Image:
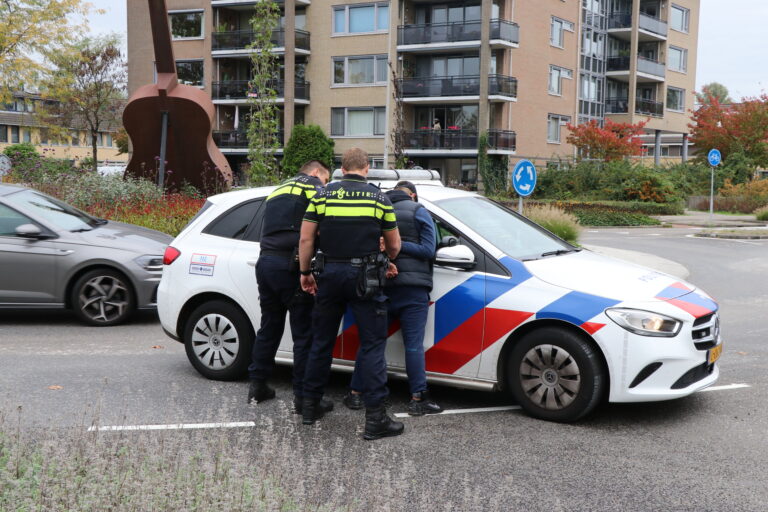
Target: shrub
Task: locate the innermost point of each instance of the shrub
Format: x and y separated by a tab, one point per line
307	142
762	213
555	220
743	197
675	208
607	217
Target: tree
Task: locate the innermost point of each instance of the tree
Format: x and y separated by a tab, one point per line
492	168
613	141
121	141
308	142
736	128
715	90
264	122
30	29
398	122
85	89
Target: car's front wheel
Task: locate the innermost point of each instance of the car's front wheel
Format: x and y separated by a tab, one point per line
556	375
218	338
103	297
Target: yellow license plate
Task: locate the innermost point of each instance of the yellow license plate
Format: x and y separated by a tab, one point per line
715	353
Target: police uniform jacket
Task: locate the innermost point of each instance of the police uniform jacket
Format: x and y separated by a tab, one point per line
285	208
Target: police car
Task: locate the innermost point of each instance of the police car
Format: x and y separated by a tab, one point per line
513	308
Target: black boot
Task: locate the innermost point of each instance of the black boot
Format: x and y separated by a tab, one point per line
422	403
260	391
324	405
311	410
353	401
378	424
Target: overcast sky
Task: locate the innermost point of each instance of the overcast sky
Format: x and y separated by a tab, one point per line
731	41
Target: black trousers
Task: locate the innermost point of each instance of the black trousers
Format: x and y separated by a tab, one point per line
280	294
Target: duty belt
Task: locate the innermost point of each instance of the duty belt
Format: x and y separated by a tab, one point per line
357	261
282	254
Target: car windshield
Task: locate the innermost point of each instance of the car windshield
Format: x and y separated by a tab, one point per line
58	214
505	230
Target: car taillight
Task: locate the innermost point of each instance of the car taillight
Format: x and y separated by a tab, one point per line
170	255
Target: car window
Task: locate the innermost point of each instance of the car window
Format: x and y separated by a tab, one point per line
484	262
234	222
10	219
58	214
254	231
509	232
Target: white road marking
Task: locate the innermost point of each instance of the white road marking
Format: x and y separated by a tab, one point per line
748	242
466	411
176	426
726	387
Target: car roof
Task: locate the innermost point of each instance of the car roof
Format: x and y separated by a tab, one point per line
9	188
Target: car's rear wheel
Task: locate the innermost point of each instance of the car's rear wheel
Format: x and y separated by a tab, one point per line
218	338
103	297
554	374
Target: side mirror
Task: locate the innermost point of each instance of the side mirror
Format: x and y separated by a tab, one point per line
458	256
29	231
449	241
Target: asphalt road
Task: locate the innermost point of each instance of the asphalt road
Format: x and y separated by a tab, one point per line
704	452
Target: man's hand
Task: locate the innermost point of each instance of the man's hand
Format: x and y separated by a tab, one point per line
391	271
308	284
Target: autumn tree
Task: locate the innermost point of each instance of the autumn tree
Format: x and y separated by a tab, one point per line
84	89
30	31
612	141
736	128
714	90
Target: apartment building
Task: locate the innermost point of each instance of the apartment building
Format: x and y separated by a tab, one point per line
441	73
18	125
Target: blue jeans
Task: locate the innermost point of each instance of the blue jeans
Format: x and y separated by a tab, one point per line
409	304
280	293
337	289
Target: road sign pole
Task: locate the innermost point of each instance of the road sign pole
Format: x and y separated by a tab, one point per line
712	195
520	205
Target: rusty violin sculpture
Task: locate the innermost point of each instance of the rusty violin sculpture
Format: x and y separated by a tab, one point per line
170	124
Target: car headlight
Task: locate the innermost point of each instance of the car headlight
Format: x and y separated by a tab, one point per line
645	323
150	262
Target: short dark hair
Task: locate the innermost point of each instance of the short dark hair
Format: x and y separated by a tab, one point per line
407	185
354	159
311	166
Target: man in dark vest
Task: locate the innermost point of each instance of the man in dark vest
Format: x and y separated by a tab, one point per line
277	274
408	294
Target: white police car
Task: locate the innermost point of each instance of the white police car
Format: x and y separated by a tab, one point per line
513	308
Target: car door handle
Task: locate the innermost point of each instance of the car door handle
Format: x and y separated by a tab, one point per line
252	261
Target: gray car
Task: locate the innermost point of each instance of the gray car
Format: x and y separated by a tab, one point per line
52	255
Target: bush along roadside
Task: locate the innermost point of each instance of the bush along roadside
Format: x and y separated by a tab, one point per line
592	214
554	220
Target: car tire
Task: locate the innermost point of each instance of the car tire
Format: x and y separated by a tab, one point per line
218	338
556	375
103	297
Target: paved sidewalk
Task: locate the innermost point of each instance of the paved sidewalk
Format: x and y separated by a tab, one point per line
702	219
642	258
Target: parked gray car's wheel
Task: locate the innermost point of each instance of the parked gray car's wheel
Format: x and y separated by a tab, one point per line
554	374
103	297
218	338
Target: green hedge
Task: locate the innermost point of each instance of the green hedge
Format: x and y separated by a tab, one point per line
606	217
674	208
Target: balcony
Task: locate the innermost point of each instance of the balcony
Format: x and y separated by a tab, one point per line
649	107
456	141
503	33
651	67
237	41
456	89
648	70
236	141
650	28
237	91
617	106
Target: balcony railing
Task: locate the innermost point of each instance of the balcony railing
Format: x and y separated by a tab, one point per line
647	23
457	139
651	67
238	89
617	106
428	87
617	64
240	39
237	139
649	107
456	32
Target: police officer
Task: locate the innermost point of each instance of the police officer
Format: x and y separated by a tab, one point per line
408	294
351	216
277	275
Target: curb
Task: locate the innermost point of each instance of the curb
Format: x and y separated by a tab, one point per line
732	237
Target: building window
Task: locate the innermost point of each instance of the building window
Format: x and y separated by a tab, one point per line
109	140
678	59
3	133
28	135
43	134
370	69
361	18
554	123
557	35
186	25
676	99
75	138
376	163
190	72
556	75
14	134
591	88
358	121
680	18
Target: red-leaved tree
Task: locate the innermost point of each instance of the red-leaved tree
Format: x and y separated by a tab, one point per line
732	128
612	141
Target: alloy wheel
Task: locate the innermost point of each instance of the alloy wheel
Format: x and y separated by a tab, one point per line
104	299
